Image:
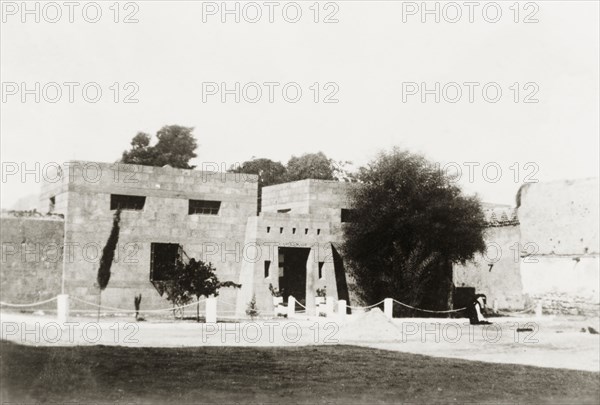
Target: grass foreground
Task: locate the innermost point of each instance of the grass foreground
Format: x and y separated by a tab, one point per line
313	374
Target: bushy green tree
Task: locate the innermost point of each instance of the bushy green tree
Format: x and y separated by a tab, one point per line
307	166
269	172
175	146
197	279
310	166
176	290
410	224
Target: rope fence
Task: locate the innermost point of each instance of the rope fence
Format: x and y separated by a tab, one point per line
109	309
298	302
176	308
367	307
449	311
33	304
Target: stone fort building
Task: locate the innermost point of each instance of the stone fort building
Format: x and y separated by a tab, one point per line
292	244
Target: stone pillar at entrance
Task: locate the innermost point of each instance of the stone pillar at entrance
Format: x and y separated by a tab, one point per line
311	282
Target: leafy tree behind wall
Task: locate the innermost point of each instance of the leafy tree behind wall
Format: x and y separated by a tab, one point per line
268	171
307	166
410	224
310	166
175	146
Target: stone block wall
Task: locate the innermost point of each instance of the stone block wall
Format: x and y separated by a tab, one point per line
31	265
566	285
552	256
294	196
271	231
329	197
560	222
496	273
164	219
561	217
321	197
566	304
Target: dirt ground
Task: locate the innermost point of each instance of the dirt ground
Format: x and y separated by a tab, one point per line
335	374
555	342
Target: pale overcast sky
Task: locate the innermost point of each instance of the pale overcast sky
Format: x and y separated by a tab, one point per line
369	53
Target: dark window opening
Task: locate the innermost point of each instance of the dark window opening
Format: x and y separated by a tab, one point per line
267	268
347	215
204	207
318	231
321	269
52	204
280	230
127	202
306	231
268	229
163	261
293	230
284	210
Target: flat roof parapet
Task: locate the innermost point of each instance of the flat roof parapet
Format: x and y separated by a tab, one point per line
93	170
31	214
272	215
307	182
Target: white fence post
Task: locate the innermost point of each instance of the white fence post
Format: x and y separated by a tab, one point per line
342	309
211	310
277	301
538	310
62	308
291	308
388	308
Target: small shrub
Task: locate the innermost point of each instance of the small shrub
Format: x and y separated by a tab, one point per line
252	310
275	292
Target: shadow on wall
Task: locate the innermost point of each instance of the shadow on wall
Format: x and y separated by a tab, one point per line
340	277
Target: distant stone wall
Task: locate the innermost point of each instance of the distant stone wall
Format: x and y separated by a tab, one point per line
565	285
566	304
560	217
31	267
497	272
560	222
